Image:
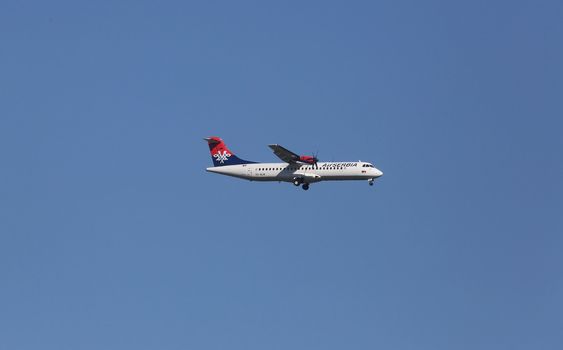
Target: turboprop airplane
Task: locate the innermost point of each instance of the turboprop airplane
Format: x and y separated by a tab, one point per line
299	170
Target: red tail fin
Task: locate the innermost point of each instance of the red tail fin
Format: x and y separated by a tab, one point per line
220	154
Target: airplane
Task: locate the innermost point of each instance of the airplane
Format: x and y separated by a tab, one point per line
299	170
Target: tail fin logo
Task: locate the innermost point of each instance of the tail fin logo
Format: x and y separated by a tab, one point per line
222	157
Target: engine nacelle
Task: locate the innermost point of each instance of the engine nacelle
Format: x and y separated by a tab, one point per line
308	159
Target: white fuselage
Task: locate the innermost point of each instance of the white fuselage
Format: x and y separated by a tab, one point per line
308	173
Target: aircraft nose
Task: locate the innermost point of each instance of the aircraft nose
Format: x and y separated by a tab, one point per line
378	173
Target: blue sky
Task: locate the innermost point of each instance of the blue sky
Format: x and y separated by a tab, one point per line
112	235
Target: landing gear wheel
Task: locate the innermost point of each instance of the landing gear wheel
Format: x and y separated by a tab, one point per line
296	182
305	187
371	182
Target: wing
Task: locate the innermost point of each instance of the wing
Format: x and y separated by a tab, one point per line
284	154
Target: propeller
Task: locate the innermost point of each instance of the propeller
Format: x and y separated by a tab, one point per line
316	158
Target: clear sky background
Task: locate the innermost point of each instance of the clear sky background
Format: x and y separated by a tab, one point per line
113	236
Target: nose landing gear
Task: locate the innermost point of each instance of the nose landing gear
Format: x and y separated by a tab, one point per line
370	182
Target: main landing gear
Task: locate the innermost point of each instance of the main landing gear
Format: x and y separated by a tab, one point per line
298	181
